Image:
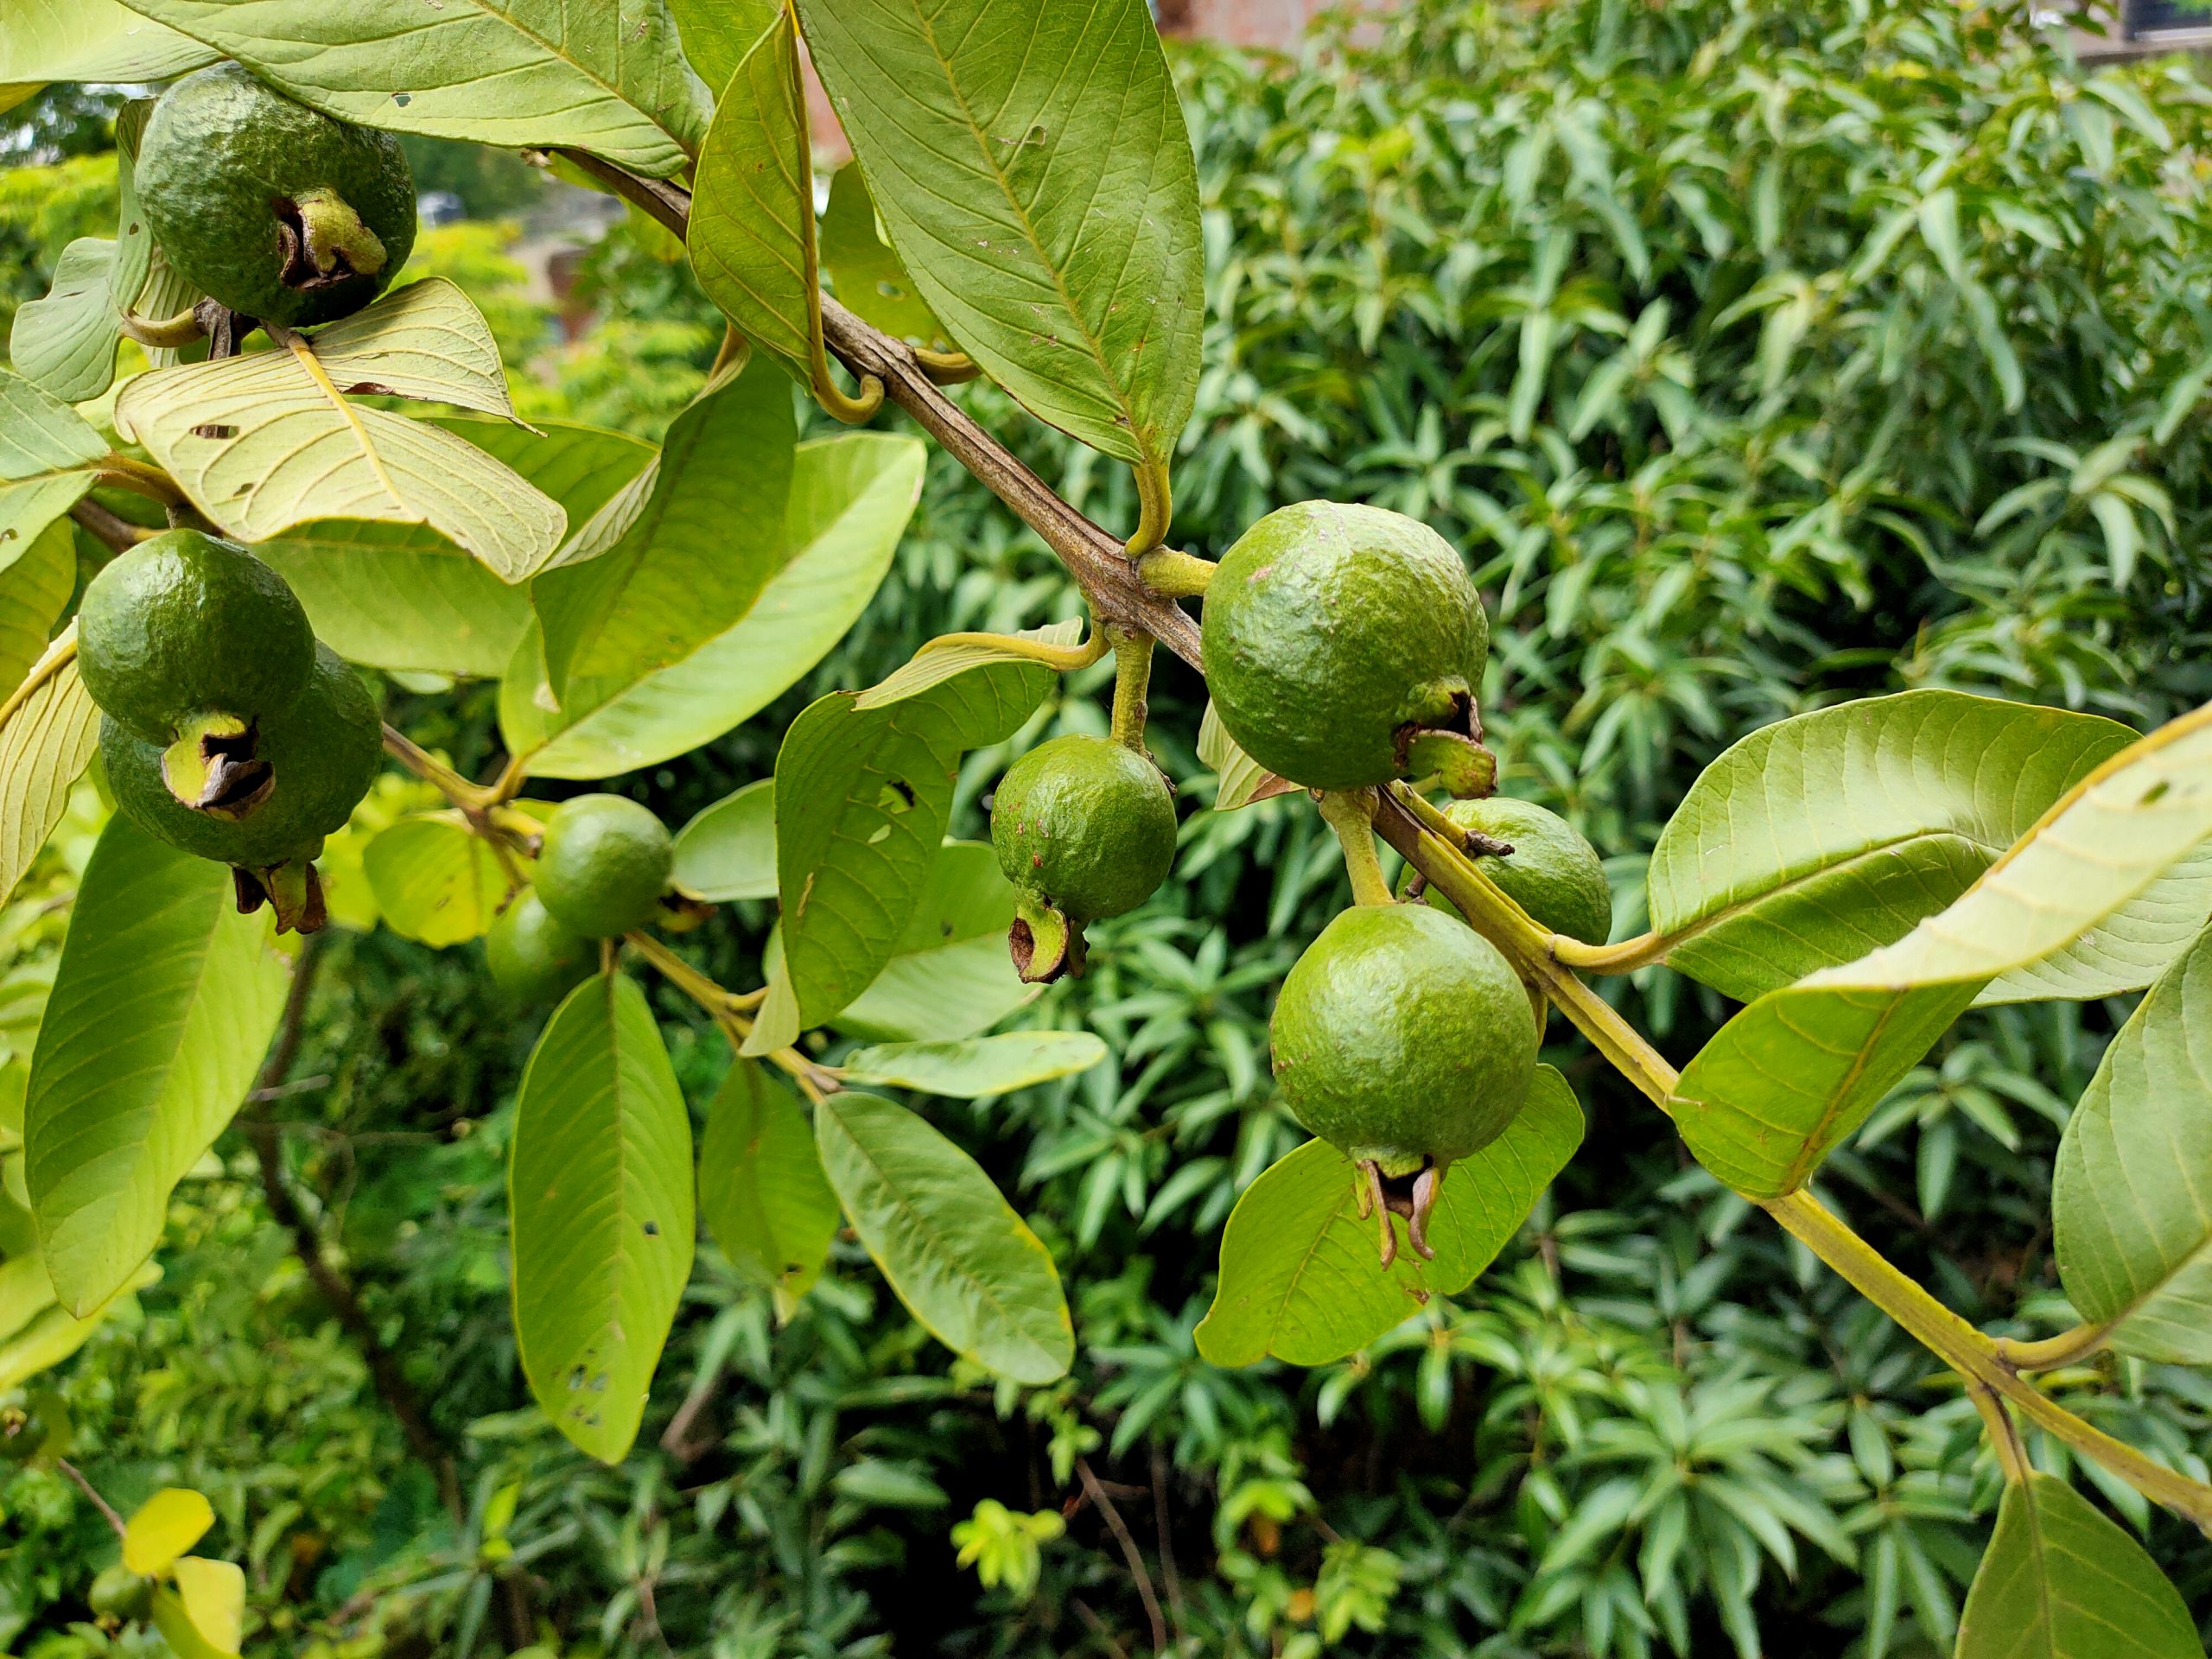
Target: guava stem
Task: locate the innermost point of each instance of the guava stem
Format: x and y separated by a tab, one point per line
1156	509
1132	680
945	368
1350	813
169	333
1178	576
2003	1433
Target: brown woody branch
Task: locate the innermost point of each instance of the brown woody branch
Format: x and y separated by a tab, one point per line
1109	578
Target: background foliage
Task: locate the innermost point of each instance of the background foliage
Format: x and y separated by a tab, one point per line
1759	354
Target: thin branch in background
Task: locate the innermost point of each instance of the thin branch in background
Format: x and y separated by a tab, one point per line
118	532
1130	1553
85	1486
1169	1576
1097	1626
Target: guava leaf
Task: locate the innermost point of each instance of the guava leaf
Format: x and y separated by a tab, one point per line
49	1334
31	507
728	851
761	1190
435	881
863	796
87	39
599	1184
869	279
48	729
1797	1072
936	663
752	232
261	445
717	32
213	1598
975	1067
2132	1196
965	1265
161	1009
851	497
544	74
703	535
402	596
1030	163
2060	1581
1817	839
35	588
162	1528
40	435
1301	1273
1239	780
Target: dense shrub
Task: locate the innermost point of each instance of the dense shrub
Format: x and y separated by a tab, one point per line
1758	353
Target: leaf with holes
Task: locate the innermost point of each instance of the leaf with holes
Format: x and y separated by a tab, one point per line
1798	1071
966	1266
2060	1581
273	440
48	729
850	499
972	1068
598	1187
535	74
1030	161
761	1190
728	851
162	1009
1302	1272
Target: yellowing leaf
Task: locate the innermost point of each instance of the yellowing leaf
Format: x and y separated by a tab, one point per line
48	729
213	1594
166	1525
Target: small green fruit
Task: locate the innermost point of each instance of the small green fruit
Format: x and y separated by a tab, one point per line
534	958
1335	636
319	755
119	1593
270	207
1553	873
185	626
1404	1038
604	866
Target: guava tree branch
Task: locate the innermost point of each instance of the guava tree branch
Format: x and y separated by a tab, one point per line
1109	581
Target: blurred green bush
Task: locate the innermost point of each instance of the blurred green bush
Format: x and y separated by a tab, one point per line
1758	354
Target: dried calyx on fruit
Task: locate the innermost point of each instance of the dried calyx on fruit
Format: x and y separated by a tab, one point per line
1084	828
1345	646
1404	1038
230	732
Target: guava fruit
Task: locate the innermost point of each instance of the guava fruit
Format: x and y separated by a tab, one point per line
117	1593
1405	1039
270	207
604	865
534	958
1084	828
1337	638
186	626
1553	873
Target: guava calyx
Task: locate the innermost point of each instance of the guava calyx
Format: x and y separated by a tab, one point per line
1456	758
216	766
1411	1195
293	890
324	241
1044	942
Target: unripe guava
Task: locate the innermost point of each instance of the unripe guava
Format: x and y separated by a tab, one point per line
117	1593
533	956
1403	1037
186	624
1553	873
1086	822
270	207
605	863
1334	637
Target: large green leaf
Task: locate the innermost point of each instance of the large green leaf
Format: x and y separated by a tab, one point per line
717	32
35	589
761	1190
953	1249
2060	1581
402	596
728	851
851	497
1031	164
752	231
435	880
972	1068
598	1186
1816	840
680	554
67	340
40	435
29	507
44	41
1302	1272
609	78
262	444
48	729
862	796
163	1004
870	280
1792	1075
49	1334
2131	1197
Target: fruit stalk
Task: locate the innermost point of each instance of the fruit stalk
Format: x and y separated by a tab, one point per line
1351	814
1132	680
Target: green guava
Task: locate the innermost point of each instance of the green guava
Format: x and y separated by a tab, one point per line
534	958
316	757
1084	828
1553	873
270	207
1336	636
184	626
1405	1039
605	863
119	1593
